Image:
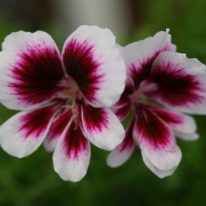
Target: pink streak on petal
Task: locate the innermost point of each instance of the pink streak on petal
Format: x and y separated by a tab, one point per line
169	117
74	142
96	119
121	110
128	141
36	74
82	67
36	122
59	124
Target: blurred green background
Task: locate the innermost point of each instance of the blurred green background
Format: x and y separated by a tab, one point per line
32	180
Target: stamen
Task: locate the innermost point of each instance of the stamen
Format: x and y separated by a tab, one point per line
75	111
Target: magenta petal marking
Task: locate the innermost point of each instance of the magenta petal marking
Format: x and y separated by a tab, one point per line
95	119
122	107
36	74
151	129
74	141
169	117
59	124
143	70
122	110
36	122
82	67
175	86
128	141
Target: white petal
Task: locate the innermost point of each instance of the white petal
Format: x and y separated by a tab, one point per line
156	140
184	126
137	55
23	133
27	61
188	126
123	151
179	122
179	82
155	170
58	126
163	159
93	59
187	136
101	127
117	158
72	154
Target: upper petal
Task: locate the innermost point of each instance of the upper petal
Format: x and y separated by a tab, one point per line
72	154
156	140
23	133
101	127
179	82
31	68
140	55
93	60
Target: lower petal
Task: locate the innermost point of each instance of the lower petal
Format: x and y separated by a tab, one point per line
163	159
58	126
177	121
122	107
187	136
123	151
155	170
101	127
184	126
23	133
156	140
72	154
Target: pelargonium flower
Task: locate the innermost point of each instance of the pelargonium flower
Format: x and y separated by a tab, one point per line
162	86
64	99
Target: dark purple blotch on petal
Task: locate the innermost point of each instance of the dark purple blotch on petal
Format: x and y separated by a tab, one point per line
128	141
35	76
59	124
95	119
82	66
175	86
74	141
36	122
151	129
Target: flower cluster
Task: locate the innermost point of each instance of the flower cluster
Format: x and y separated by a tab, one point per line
69	99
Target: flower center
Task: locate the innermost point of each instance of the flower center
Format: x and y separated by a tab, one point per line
139	96
75	112
72	94
70	88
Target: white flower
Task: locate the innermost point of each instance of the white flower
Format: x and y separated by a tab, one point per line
162	85
64	98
